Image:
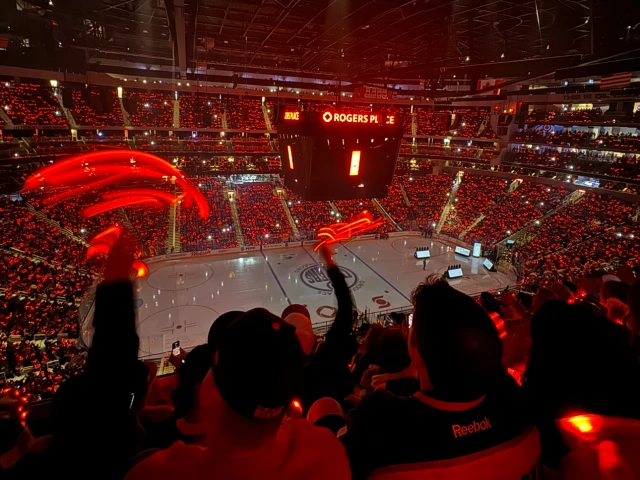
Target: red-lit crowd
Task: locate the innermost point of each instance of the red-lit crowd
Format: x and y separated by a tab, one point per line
532	384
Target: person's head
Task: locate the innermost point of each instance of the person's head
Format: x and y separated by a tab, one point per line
296	308
453	342
633	320
393	356
327	412
304	331
580	358
372	338
196	365
542	296
490	303
218	329
398	318
613	296
561	291
258	367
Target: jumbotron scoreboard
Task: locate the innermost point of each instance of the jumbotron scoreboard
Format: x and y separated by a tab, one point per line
337	155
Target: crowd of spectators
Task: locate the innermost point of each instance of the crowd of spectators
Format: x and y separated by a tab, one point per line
576	223
572	115
427	195
586	161
251	144
198	110
511	374
149	109
395	204
522	206
429	122
218	230
308	215
244	113
262	215
474	197
31	104
621	142
93	107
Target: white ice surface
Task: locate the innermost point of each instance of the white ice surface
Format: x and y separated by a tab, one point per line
181	298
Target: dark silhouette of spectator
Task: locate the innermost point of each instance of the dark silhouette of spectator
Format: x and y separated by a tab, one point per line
457	353
257	372
579	362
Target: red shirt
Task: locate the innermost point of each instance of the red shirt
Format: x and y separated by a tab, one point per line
300	451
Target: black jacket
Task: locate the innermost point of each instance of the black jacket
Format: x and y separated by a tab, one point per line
327	373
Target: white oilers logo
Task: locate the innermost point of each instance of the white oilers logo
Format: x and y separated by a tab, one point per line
460	431
314	276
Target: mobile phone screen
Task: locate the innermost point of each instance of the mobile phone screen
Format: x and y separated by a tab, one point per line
175	348
410	319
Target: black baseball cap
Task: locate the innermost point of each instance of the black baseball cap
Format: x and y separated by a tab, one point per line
259	365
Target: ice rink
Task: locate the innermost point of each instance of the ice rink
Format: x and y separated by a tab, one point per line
180	298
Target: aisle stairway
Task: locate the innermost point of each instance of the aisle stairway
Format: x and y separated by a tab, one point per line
292	222
412	215
173	232
176	114
450	201
125	115
267	120
5	117
223	120
236	222
386	215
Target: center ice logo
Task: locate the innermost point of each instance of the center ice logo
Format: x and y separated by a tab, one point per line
315	277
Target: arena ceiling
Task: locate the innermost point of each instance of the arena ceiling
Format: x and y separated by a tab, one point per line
364	40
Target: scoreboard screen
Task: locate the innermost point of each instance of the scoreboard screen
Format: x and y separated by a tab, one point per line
334	155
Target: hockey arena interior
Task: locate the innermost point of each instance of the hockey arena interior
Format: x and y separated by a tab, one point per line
310	239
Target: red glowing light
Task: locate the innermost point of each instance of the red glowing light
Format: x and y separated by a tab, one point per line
99	249
584	425
141	269
108	236
297	404
142	192
88	171
499	323
339	232
116	203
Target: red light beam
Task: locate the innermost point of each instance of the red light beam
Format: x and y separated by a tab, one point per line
116	203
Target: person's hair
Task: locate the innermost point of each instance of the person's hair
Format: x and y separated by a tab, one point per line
196	365
456	339
614	289
580	359
393	354
490	303
398	318
372	338
218	329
